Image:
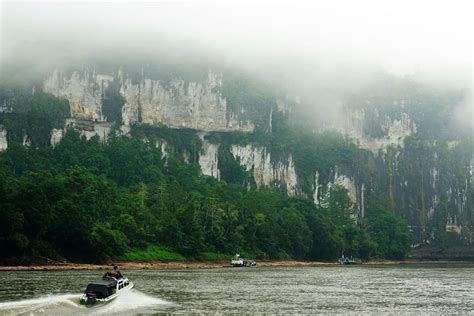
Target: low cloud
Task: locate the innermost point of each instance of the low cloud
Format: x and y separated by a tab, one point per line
320	51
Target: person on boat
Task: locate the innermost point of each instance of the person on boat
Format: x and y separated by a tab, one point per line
113	274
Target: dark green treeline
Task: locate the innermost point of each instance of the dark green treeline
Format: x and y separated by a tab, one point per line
84	200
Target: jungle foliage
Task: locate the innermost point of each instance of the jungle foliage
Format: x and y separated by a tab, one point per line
84	200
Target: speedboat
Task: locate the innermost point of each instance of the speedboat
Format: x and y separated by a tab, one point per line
106	289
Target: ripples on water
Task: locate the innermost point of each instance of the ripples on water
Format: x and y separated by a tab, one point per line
398	289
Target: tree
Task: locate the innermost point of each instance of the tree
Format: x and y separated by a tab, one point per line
389	231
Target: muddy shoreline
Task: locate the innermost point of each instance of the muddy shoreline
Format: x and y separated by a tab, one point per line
204	265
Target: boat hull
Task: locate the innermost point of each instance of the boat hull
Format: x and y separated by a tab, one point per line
244	263
349	261
101	301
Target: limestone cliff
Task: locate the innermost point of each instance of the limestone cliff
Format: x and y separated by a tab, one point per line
428	182
86	128
209	158
197	105
84	90
355	190
402	154
256	159
177	104
393	130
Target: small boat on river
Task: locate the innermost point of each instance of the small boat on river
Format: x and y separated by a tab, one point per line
112	284
238	261
349	260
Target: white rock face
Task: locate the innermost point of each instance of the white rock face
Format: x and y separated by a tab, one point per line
179	104
90	129
452	225
26	141
355	193
86	128
349	184
84	92
316	188
258	160
208	160
194	105
4	108
286	173
3	139
100	129
56	136
163	145
396	131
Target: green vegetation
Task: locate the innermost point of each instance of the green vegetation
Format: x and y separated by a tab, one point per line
212	256
249	99
388	231
231	169
183	141
311	152
34	117
90	201
151	253
112	103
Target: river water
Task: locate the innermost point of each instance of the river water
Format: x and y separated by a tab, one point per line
413	289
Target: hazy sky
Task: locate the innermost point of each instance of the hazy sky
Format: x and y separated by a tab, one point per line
324	40
403	36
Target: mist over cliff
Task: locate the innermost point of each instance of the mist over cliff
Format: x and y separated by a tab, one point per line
318	52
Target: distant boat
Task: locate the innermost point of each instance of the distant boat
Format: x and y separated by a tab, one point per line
106	289
349	260
238	261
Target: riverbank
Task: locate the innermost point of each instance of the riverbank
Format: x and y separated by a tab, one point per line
159	265
206	264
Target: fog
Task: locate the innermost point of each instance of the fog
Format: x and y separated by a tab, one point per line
319	51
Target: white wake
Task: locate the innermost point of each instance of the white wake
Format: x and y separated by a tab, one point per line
132	300
40	305
129	302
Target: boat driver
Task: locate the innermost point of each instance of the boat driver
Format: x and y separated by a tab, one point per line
114	274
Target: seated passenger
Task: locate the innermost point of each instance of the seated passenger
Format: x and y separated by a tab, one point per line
117	272
113	274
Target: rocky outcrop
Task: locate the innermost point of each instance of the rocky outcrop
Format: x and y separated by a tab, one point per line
86	128
177	104
84	91
427	192
208	160
56	136
197	105
355	190
90	129
26	141
163	145
3	139
394	131
257	160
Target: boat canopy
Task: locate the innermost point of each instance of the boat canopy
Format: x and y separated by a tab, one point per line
103	288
